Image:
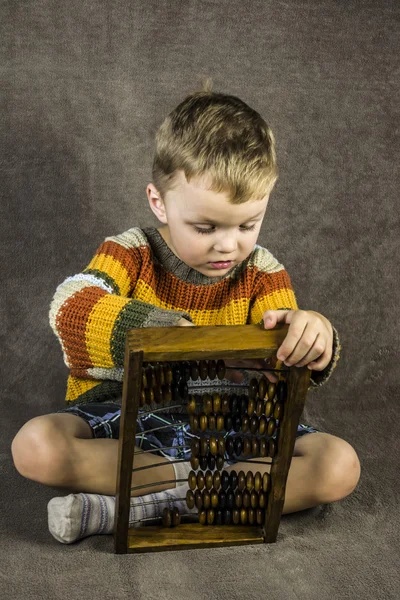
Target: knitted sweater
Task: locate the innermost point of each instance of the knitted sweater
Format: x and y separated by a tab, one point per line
135	280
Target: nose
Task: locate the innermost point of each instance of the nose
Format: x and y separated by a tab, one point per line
226	243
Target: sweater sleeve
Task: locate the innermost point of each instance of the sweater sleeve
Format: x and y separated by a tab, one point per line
273	291
91	312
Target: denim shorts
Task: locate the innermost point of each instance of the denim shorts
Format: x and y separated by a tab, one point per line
172	436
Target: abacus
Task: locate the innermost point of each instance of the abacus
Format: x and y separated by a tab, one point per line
233	508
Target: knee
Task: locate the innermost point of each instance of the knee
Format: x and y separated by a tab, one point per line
37	449
339	471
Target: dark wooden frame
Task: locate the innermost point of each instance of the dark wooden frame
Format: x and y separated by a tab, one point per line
196	343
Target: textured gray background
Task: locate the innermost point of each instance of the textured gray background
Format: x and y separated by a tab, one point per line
83	88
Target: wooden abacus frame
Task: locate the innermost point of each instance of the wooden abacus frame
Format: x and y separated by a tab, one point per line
164	344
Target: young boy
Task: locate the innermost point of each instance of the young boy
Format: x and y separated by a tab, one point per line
213	172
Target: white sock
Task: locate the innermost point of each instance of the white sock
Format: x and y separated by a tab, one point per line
76	516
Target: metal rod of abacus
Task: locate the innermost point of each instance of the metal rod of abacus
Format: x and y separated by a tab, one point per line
139	487
171	462
154	501
162	408
158	428
257	369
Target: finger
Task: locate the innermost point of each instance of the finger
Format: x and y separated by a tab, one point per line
309	348
297	324
272	317
322	362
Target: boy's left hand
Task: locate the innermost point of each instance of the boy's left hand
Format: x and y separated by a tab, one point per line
309	339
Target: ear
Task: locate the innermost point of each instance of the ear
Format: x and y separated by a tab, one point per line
156	203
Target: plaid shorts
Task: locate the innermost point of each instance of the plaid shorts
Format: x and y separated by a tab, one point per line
172	436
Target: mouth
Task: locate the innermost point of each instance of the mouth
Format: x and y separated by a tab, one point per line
221	264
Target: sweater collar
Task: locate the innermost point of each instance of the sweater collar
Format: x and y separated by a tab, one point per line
175	265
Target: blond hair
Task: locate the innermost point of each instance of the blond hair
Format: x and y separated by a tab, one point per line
220	136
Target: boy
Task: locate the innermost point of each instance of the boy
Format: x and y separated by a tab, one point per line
213	173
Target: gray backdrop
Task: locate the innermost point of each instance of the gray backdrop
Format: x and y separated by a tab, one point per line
84	86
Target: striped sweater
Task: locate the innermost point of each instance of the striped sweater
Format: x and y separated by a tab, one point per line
135	280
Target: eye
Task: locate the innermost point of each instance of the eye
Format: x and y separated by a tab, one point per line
200	230
248	228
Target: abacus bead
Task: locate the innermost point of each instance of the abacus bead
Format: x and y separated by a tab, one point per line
257	481
189	499
262	425
194	370
213	445
255	447
262	387
210	516
220	422
159	373
150	376
211	462
233	479
142	397
216	400
246	498
200	480
222	499
192	480
249	480
254	499
167	517
221	446
206	499
241	480
203	461
212	369
229	446
149	395
176	373
281	391
194	422
243	403
245	423
214	498
144	379
237	422
262	499
278	411
202	517
194	462
191	405
209	479
251	406
260	516
167	392
227	517
219	462
254	424
238	445
203	368
246	446
271	391
230	499
263	448
243	516
236	516
271	448
183	389
168	377
233	404
158	395
259	408
238	499
204	446
269	408
224	480
218	517
221	370
266	482
207	404
271	427
225	404
195	447
217	480
176	517
252	516
186	370
228	422
211	421
203	422
198	499
253	388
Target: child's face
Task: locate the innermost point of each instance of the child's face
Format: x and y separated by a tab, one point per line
203	229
